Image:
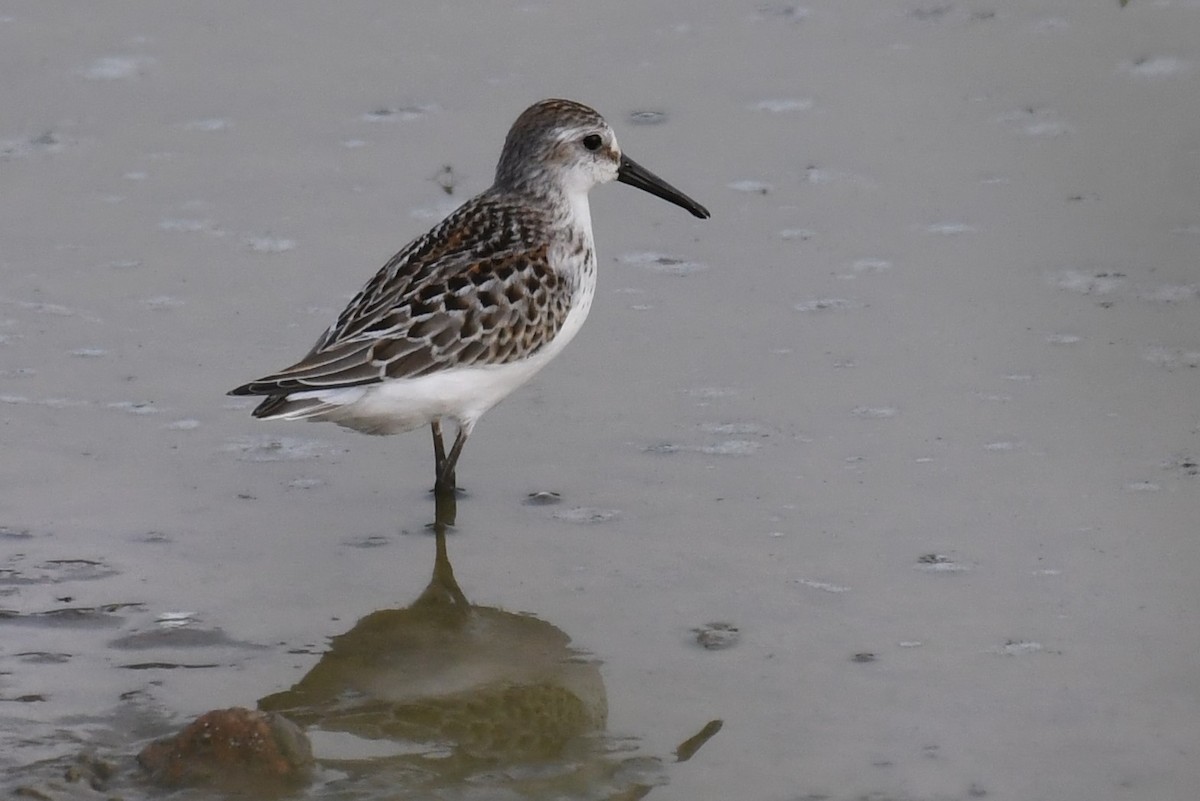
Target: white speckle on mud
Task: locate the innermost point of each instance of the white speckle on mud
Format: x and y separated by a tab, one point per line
871	266
1004	445
709	393
137	175
1036	122
1172	293
162	302
1063	339
784	11
909	644
752	187
354	144
47	142
306	483
55	309
123	264
782	105
1163	67
172	620
826	304
1142	486
821	176
803	234
186	424
1020	648
133	407
401	113
116	68
1023	377
1171	358
186	226
733	428
1051	25
875	412
940	563
89	353
823	586
1087	283
949	228
731	447
270	244
276	449
648	117
662	263
210	124
63	403
587	515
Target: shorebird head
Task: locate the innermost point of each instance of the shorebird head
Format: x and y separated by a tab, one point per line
564	146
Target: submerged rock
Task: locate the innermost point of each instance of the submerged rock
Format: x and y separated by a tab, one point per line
231	748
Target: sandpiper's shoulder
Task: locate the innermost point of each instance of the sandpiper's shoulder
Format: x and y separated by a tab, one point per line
489	223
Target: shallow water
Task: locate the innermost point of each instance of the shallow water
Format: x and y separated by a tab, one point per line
914	412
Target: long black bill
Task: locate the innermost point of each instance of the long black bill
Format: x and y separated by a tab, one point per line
634	174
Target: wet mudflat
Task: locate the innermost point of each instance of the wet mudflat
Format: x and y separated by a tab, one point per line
891	465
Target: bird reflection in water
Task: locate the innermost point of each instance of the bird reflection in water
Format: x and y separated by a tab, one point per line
446	694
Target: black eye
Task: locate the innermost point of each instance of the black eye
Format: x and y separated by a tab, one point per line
592	141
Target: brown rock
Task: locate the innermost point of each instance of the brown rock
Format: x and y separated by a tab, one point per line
231	748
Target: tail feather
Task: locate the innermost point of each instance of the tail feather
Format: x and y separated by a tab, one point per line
306	405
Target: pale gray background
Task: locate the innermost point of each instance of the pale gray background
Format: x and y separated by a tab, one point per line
946	304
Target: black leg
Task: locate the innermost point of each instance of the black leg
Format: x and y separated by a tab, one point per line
445	478
439	448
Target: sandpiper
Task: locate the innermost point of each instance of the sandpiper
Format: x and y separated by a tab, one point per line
468	312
